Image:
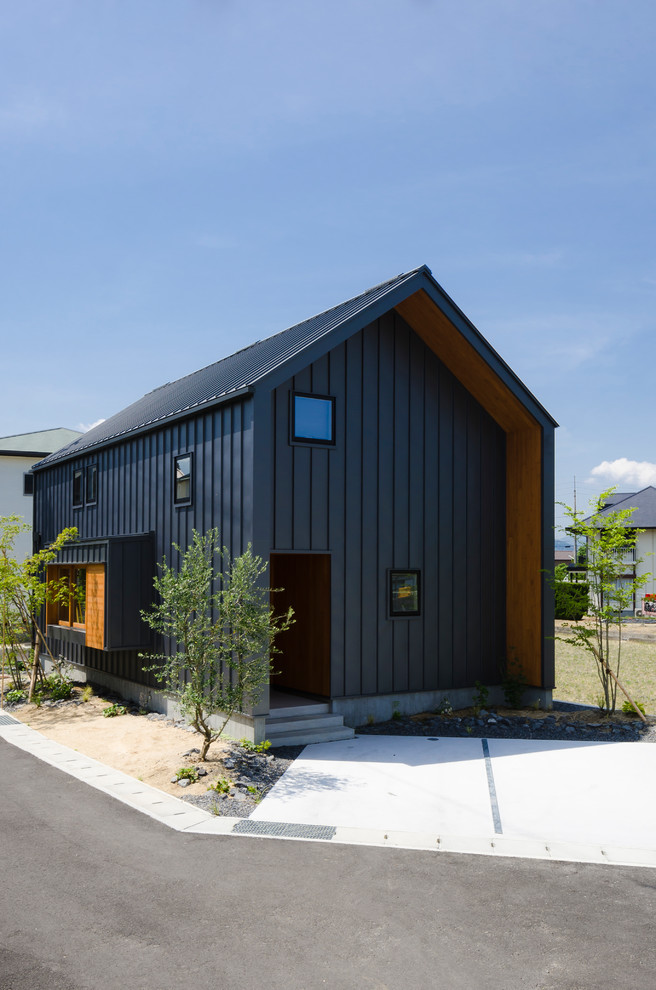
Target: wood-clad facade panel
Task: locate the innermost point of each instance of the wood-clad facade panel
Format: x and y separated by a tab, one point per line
95	618
528	485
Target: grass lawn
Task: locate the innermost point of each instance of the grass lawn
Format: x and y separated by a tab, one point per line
577	680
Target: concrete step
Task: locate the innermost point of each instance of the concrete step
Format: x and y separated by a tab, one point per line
305	737
312	708
301	730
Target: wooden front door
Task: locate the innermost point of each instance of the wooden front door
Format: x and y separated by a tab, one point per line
304	660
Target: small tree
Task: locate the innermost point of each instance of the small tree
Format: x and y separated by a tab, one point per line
23	593
609	539
221	630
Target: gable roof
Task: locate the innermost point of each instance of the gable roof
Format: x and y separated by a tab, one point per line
643	503
241	372
37	443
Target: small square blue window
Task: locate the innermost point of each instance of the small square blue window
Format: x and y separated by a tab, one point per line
313	418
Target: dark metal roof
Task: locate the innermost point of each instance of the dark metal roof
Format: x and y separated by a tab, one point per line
226	378
239	373
643	503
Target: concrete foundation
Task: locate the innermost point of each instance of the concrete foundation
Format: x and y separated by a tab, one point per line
379	708
355	711
251	727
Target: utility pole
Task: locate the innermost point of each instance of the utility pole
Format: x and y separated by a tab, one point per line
576	548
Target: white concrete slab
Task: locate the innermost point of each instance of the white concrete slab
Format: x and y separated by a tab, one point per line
581	802
598	792
404	783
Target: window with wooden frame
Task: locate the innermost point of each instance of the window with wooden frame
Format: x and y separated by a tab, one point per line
182	479
77	600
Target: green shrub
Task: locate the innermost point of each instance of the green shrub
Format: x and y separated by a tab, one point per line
187	773
628	708
113	710
56	687
513	682
221	786
252	747
571	599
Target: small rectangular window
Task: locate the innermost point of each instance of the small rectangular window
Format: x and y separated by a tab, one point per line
78	494
182	479
404	597
28	483
313	418
92	484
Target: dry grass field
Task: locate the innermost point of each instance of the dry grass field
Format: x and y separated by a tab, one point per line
577	680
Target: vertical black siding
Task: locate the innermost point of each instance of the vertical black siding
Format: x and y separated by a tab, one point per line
135	495
416	479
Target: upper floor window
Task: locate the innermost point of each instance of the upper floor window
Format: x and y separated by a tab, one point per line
78	487
92	484
313	418
182	479
28	483
85	485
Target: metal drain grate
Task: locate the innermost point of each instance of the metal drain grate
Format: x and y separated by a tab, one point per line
289	831
8	719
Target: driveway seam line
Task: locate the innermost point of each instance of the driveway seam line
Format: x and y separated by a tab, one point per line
491	786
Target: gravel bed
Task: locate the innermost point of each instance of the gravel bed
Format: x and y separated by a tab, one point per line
563	722
245	768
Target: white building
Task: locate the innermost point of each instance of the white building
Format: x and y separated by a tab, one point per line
17	455
643	560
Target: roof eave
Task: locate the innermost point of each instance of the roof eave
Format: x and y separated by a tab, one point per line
218	400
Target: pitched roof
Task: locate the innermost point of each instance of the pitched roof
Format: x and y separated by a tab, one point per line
38	442
241	372
643	503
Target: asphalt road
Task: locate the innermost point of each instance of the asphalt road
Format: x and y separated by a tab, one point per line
96	895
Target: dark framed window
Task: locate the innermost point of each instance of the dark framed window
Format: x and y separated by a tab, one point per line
182	480
78	485
312	418
404	593
28	483
92	484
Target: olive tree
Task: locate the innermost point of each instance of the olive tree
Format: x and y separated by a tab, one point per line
216	615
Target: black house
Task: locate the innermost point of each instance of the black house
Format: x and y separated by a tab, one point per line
383	458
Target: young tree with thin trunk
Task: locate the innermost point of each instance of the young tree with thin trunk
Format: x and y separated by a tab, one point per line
23	593
216	615
610	542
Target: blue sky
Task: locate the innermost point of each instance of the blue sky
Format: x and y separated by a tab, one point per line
181	178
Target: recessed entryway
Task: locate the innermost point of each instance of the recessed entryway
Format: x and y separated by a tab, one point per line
304	661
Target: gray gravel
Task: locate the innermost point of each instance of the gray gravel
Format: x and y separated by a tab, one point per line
246	769
549	725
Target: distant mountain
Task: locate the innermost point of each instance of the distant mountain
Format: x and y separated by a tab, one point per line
563	543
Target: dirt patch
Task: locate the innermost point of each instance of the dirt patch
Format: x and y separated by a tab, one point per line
148	748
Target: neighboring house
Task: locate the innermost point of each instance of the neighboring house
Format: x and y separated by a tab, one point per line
17	455
644	518
389	465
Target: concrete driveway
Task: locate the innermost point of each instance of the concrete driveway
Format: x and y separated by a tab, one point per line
572	801
591	802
